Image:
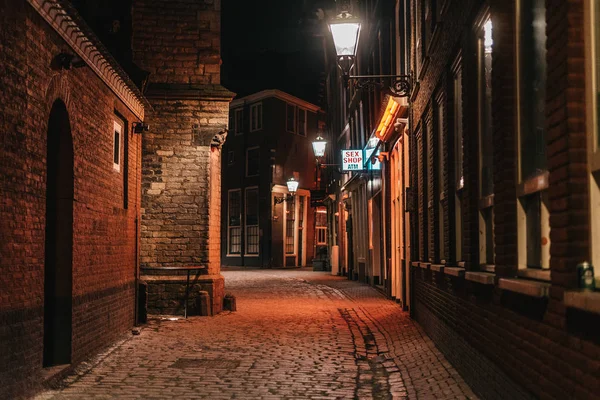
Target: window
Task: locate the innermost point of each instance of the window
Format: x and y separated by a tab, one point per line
421	195
441	194
593	121
532	211
486	145
255	117
234	218
290	227
301	122
252	161
290	118
321	226
230	157
117	144
252	231
239	121
458	160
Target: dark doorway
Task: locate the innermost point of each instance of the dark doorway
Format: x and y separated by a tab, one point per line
58	266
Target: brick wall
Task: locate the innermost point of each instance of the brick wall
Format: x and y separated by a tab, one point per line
505	344
178	43
104	230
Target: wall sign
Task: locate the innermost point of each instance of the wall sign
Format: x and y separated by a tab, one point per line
352	160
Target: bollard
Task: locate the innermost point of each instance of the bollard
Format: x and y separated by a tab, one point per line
229	302
203	304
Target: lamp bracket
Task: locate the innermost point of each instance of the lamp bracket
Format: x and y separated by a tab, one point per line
397	85
282	199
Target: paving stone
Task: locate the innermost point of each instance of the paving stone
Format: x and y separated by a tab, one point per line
296	334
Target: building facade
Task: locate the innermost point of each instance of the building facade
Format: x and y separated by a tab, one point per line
269	142
70	201
497	166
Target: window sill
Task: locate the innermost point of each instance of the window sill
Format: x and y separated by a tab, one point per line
525	286
485	278
424	265
533	185
585	300
415	264
454	271
537	274
486	202
488	268
438	268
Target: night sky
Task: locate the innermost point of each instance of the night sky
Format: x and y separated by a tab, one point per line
273	44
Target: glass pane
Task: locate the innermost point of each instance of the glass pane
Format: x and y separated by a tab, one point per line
458	129
533	87
486	136
117	143
234	208
290	227
235	240
252	240
533	207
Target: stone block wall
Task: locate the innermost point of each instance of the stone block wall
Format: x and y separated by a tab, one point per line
105	207
178	42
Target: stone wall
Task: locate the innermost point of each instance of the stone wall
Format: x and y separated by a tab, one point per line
179	43
105	206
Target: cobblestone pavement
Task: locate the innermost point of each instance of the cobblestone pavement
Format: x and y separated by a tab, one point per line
297	334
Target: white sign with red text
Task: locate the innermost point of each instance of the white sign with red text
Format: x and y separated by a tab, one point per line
352	160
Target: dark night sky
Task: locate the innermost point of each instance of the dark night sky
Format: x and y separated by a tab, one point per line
272	44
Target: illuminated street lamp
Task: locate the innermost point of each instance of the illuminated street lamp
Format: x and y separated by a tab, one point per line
345	31
292	185
319	145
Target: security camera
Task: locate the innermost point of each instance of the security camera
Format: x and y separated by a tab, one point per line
139	127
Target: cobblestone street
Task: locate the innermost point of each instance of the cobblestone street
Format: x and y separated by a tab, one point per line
297	334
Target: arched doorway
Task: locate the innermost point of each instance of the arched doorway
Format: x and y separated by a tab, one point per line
58	265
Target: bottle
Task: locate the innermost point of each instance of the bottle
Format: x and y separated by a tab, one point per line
585	275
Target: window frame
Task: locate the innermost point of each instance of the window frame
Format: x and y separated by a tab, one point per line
247	159
118	129
535	185
229	226
246	225
592	68
239	125
256	121
301	125
439	115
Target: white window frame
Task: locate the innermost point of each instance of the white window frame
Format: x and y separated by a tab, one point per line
118	127
531	186
238	129
294	123
229	227
591	38
256	121
247	150
246	225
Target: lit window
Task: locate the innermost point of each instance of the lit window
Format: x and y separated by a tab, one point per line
252	231
255	117
117	143
252	161
532	211
593	144
486	145
290	227
234	218
321	226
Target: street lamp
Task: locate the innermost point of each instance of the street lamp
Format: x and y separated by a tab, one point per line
292	186
345	31
319	145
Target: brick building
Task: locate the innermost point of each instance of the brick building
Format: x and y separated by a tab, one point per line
269	142
503	184
70	193
181	188
76	177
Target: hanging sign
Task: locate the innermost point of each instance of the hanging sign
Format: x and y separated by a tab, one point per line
352	160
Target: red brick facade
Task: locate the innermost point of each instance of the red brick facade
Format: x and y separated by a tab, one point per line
505	343
105	202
